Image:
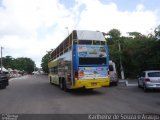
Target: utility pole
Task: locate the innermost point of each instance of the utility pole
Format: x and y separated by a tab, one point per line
1	59
120	57
120	60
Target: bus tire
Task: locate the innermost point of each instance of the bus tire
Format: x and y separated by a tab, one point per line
90	90
116	84
50	80
65	86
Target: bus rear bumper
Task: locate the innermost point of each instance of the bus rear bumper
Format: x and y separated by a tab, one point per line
89	84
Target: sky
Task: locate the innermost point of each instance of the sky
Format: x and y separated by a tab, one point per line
30	28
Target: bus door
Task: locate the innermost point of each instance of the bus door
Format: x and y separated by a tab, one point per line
74	74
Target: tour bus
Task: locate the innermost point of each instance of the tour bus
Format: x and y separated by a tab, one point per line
80	61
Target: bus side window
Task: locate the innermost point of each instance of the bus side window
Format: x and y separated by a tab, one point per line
55	70
96	42
75	41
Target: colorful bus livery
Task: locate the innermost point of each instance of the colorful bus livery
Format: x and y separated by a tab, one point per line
85	73
91	51
80	61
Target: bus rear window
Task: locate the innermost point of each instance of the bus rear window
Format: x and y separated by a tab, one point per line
92	61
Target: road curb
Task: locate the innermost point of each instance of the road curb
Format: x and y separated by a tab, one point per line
125	82
17	78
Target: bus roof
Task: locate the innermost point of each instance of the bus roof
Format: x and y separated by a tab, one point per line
89	35
76	35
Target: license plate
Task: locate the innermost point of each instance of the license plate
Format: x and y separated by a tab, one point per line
93	84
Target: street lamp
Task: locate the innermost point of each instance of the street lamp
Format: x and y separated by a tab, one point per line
67	30
1	59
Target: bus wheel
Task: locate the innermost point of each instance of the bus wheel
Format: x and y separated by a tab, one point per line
65	86
61	84
50	81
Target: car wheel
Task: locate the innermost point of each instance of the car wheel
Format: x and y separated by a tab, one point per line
139	84
65	86
145	88
2	87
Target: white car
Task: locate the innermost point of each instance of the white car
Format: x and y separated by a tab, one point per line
113	73
149	79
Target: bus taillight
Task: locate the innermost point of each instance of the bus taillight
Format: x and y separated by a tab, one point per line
108	73
76	75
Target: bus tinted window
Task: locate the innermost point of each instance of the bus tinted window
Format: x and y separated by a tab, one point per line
91	61
89	42
103	42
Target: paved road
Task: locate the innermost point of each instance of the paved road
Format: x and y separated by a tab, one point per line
34	94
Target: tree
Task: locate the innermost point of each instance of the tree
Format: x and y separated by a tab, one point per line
113	36
44	62
114	33
114	43
157	33
8	61
135	34
22	63
138	52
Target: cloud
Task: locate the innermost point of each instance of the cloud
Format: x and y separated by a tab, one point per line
21	21
98	16
29	28
139	7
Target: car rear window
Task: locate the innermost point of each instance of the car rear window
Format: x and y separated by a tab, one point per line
154	74
111	67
